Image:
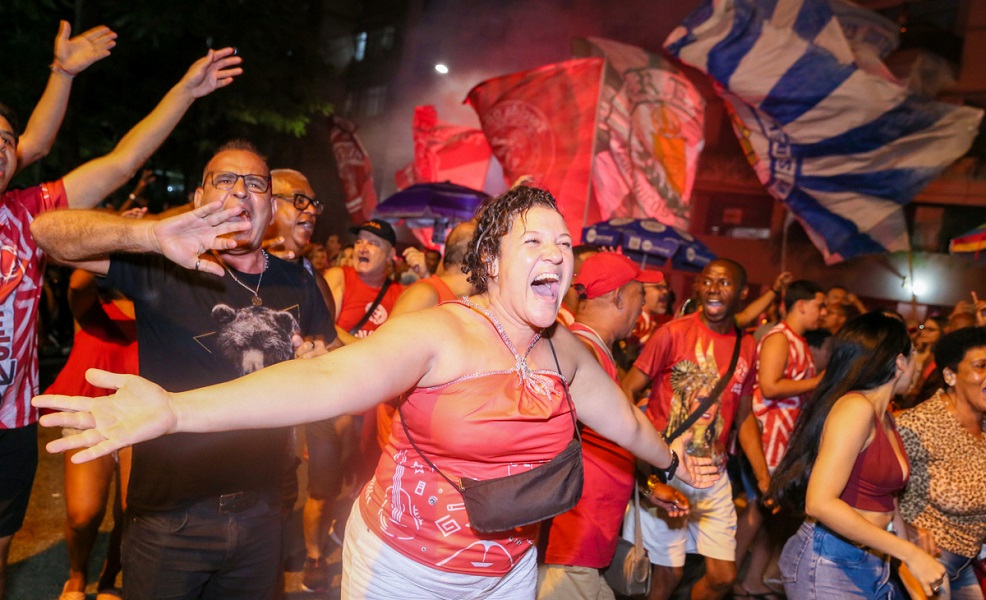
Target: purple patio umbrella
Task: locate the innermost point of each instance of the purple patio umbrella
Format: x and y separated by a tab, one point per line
440	205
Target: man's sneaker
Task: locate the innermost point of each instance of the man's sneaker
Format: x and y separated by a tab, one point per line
71	595
315	575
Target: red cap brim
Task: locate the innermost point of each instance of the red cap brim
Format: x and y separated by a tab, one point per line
650	277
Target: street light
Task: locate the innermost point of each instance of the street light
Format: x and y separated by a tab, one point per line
441	68
919	288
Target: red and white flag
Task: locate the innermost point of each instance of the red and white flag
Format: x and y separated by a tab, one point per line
541	125
354	170
650	133
447	152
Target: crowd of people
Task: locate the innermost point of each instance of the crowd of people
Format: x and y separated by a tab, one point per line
474	420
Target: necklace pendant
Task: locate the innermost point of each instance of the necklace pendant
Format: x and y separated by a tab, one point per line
256	301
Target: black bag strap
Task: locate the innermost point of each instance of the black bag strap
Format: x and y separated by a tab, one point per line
373	307
568	396
459	486
713	395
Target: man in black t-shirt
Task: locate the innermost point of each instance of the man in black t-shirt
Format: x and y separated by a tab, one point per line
204	509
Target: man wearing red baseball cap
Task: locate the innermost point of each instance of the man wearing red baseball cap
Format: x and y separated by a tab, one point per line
583	540
607	272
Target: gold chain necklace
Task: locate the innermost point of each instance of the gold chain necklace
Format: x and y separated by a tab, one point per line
256	300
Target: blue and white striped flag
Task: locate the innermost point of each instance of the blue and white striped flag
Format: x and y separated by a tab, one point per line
834	137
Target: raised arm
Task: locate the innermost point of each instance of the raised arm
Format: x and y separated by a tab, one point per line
72	56
748	315
401	352
85	238
88	184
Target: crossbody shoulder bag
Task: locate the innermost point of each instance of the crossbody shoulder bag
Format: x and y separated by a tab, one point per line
503	503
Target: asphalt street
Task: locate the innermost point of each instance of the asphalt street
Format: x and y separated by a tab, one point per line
38	557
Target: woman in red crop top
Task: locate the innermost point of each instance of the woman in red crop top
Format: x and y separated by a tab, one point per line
485	397
844	468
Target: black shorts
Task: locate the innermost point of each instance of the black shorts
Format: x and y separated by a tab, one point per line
18	463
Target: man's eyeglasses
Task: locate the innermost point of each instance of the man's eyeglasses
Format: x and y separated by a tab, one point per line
302	202
225	181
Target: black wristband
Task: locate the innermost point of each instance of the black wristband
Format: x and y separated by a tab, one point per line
673	466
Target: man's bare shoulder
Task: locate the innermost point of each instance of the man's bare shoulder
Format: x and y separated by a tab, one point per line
336	278
334	273
417	296
775	341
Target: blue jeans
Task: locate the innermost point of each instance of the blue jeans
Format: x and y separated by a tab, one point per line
203	552
817	563
961	576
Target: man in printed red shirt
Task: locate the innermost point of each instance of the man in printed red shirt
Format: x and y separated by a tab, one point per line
685	359
22	262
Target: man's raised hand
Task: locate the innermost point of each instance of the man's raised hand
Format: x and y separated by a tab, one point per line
74	55
211	72
185	237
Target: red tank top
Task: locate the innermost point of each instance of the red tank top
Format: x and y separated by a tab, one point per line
445	293
483	425
358	297
877	476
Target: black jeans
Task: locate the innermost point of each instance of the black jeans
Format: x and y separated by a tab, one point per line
204	551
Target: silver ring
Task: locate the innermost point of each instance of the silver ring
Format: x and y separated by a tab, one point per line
935	589
197	263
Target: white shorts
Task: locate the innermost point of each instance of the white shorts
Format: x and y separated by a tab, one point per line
564	582
373	570
709	529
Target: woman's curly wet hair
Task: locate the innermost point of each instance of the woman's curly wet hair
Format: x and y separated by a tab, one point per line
494	218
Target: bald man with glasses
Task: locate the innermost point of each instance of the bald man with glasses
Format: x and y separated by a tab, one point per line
203	510
296	210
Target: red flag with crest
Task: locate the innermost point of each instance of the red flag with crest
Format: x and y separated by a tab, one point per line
354	170
651	132
541	125
445	152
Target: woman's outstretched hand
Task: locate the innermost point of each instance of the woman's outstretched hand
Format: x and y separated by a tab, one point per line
137	412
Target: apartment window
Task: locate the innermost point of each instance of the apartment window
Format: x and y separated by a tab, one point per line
374	100
382	40
360	52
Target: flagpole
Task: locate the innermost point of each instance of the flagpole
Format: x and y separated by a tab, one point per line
592	155
788	218
910	274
